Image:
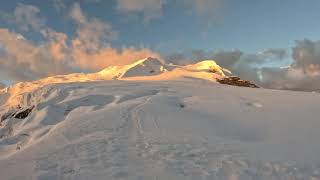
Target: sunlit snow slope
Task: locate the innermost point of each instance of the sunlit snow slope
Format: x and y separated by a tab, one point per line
173	128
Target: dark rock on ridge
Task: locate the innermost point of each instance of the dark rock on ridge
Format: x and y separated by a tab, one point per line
236	81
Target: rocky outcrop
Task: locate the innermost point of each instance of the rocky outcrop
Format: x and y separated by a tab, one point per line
24	113
17	113
236	81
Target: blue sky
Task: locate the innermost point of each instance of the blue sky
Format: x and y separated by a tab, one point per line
87	35
250	25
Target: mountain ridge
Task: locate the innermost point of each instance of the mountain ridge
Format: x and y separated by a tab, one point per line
147	69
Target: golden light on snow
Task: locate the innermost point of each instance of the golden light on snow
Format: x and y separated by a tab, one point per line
148	69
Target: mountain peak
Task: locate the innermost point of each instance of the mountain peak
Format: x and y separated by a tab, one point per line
145	67
209	66
148	61
151	67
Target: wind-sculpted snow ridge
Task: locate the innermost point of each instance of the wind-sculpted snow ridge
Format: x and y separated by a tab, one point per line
142	126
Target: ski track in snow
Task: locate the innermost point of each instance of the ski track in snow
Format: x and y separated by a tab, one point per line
125	140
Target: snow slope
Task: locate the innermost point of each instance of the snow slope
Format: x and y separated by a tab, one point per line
175	128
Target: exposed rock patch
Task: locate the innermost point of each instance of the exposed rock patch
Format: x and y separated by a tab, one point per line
24	113
236	81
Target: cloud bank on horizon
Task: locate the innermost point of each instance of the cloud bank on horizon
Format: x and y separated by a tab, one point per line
303	73
91	48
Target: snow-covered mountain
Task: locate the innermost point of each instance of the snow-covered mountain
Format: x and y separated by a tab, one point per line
148	69
154	69
150	120
145	67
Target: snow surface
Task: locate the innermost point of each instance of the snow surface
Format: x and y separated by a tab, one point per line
182	128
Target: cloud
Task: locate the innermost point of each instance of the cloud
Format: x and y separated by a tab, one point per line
240	63
61	5
302	74
58	5
178	59
25	17
91	33
2	85
110	57
24	60
222	57
89	50
263	67
231	58
289	79
307	56
77	14
273	53
227	58
150	9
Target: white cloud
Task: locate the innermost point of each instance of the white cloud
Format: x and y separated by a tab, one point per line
77	14
24	60
273	53
240	63
90	49
307	56
91	32
25	17
304	72
58	5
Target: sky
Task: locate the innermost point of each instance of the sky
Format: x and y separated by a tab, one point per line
273	43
